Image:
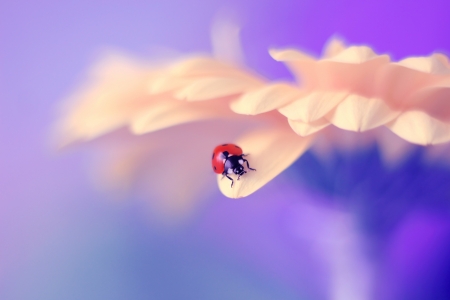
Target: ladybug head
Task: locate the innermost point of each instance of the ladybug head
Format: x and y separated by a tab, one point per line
233	164
239	169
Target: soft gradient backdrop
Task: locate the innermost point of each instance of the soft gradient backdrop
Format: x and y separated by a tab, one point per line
317	232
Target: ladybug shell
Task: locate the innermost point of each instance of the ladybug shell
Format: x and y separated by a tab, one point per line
218	156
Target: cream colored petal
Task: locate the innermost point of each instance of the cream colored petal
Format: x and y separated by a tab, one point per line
305	129
419	128
213	88
397	84
265	99
434	100
190	71
289	55
353	55
167	83
333	47
112	96
270	152
300	64
358	113
169	113
171	168
206	67
357	77
352	69
201	66
434	64
312	106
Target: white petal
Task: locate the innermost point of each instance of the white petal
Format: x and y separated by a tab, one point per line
305	129
434	100
167	83
434	64
265	99
313	106
169	112
398	85
186	74
419	128
171	167
289	55
270	152
300	64
354	55
113	96
333	47
201	66
205	67
358	113
353	70
213	88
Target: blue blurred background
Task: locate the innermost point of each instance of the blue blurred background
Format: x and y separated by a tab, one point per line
345	228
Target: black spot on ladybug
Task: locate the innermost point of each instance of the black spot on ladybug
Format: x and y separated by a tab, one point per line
213	156
214	168
237	147
224	144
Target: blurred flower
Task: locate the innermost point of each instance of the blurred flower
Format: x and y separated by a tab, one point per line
357	90
177	113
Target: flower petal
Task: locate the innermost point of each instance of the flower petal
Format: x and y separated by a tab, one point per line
115	94
270	152
305	129
167	83
265	99
300	64
173	165
352	69
397	85
213	88
354	55
202	66
434	100
434	64
170	112
419	128
313	106
333	47
358	113
289	55
189	73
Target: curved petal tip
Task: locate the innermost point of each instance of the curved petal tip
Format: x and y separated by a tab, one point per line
269	152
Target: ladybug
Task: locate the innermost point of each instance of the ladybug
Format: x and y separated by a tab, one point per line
228	159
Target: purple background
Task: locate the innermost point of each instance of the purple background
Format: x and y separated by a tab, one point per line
61	239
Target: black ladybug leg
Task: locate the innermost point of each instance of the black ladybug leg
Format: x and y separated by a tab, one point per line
248	166
239	177
232	181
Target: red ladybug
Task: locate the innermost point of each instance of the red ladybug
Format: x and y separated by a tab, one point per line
229	159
